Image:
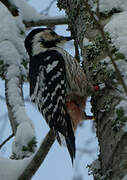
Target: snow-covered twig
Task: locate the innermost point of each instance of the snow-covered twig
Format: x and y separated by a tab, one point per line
39	157
100	28
45	21
6	140
11	7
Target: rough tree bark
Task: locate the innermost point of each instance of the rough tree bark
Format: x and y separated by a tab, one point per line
109	104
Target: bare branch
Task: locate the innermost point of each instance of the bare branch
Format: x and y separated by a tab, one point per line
6	140
98	10
47	21
11	7
39	157
46	10
100	28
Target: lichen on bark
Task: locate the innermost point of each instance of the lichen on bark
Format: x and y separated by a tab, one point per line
99	69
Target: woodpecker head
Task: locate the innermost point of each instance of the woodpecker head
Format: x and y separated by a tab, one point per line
41	39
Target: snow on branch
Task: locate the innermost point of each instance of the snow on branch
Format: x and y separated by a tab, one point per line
24	143
24	169
13	55
56	20
32	18
11	169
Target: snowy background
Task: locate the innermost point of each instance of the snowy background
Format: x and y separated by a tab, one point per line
57	164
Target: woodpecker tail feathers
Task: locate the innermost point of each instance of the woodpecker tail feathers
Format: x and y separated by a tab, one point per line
70	142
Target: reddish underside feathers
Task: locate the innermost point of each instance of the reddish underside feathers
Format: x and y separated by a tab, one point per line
75	112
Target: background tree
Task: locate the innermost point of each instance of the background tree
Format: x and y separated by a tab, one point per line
99	28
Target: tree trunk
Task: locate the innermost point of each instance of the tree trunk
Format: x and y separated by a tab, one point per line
109	104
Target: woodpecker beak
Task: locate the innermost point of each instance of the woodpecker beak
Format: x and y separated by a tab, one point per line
67	38
63	40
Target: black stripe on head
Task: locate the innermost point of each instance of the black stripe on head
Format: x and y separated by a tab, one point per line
29	38
49	44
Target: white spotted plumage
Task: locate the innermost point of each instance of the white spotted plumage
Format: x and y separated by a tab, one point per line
58	84
51	66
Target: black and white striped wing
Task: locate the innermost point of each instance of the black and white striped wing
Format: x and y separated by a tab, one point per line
48	89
